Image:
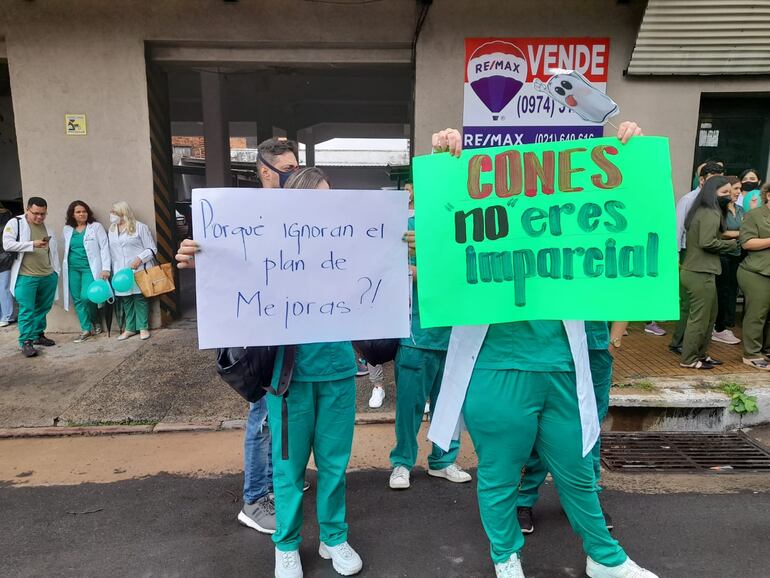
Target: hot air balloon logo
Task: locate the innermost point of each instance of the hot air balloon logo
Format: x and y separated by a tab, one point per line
496	71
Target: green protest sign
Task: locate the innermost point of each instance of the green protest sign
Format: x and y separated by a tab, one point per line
581	229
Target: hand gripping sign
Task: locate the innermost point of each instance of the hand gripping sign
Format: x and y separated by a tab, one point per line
574	91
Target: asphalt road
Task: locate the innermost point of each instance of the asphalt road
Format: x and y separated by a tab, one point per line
173	526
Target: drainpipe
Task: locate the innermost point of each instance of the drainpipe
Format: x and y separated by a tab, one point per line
423	8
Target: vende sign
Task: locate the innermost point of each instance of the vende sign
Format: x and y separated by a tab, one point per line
503	107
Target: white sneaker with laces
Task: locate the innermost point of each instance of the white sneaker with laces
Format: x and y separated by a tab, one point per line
510	569
288	564
453	473
345	560
399	478
628	569
378	395
725	336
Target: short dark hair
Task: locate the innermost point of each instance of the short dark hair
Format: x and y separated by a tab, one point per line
711	168
37	201
70	218
272	148
732	179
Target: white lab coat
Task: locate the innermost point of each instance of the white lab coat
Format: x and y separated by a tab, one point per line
97	251
464	346
124	248
24	245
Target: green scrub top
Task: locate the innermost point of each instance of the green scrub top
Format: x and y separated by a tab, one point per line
526	346
436	338
598	334
77	258
324	361
733	223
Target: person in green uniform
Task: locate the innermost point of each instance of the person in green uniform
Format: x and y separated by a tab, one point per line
419	367
727	281
704	225
86	257
321	413
34	274
522	394
754	279
601	344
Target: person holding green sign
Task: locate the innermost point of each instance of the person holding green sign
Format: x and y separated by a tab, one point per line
704	224
419	368
754	279
601	343
524	385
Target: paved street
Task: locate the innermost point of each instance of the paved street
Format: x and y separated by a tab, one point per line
183	524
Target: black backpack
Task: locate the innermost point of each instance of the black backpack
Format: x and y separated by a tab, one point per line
7	257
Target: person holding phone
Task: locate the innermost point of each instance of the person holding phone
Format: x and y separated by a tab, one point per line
35	273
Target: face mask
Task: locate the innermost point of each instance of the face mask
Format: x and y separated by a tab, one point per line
283	176
749	186
724	201
114	219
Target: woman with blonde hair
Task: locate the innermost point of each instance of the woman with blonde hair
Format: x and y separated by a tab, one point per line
131	246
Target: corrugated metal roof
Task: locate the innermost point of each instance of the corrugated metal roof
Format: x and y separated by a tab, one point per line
703	37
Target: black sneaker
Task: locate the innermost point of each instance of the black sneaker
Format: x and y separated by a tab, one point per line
43	340
28	350
712	361
526	521
608	520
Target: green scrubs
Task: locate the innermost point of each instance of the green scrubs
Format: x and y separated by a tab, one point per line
321	404
136	310
80	278
754	280
522	394
600	359
35	288
419	369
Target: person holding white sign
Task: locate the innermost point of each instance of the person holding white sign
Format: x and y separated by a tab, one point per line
525	385
321	408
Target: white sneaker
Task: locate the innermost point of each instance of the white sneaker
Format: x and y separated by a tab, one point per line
510	569
453	473
427	407
628	569
399	479
344	559
4	323
378	395
288	564
725	336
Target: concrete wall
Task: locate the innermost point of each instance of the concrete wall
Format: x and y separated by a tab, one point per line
662	106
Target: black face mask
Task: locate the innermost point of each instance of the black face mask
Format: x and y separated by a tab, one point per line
283	176
724	201
749	186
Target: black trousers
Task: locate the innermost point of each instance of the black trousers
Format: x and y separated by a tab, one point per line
727	292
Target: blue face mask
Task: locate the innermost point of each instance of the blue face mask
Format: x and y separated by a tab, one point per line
283	176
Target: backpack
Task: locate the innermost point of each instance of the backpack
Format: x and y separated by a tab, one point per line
7	257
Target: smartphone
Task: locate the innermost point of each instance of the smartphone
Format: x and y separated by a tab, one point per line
46	239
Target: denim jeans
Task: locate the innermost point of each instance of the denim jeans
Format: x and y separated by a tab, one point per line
6	299
257	455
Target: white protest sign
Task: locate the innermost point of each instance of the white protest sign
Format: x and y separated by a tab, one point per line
281	266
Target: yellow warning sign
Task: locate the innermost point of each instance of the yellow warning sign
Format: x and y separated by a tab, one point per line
75	124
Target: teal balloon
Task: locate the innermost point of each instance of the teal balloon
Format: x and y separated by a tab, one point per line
99	291
123	280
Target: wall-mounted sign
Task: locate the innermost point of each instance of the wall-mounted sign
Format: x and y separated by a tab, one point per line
75	124
502	103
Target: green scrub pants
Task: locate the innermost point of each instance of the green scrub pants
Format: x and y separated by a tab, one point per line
756	313
507	413
684	311
535	471
79	281
701	291
136	311
321	419
418	378
35	297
